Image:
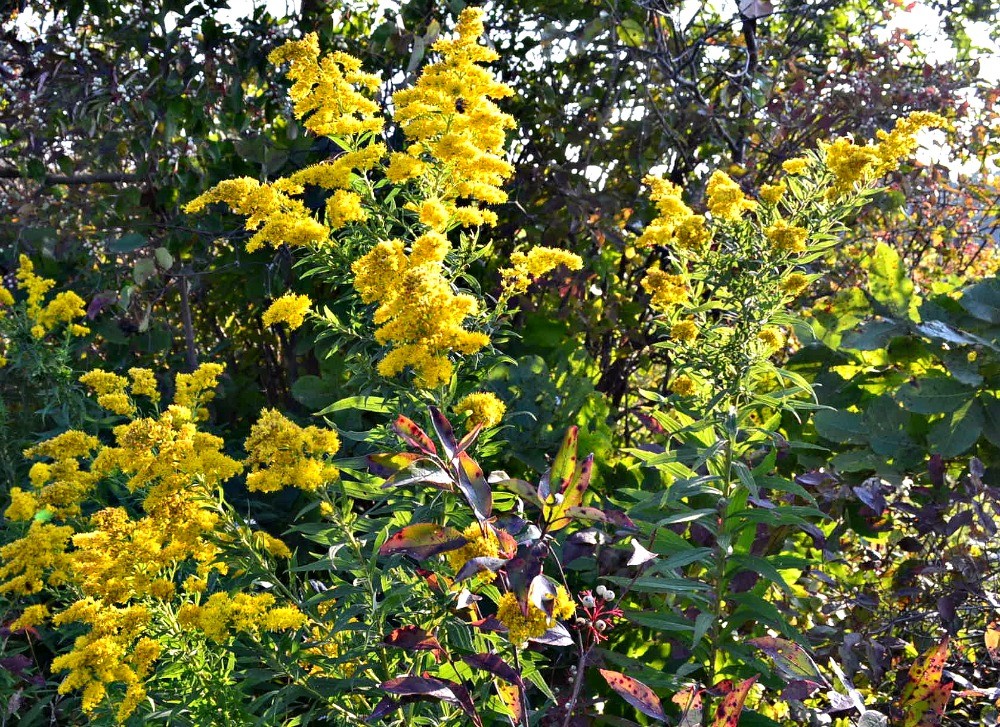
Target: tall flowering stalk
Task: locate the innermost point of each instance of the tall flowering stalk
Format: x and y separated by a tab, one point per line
392	217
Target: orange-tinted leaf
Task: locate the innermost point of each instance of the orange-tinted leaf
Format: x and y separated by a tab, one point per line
413	435
423	540
384	465
924	676
690	702
992	638
510	695
635	693
937	700
731	706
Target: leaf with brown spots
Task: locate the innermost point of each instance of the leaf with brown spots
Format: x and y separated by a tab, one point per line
992	638
563	467
731	706
472	483
423	540
413	435
635	693
510	695
923	678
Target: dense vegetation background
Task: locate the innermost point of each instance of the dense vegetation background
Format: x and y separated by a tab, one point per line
867	529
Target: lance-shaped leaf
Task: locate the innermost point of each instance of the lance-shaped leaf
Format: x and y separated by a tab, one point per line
510	695
385	465
563	466
445	433
470	437
426	473
414	638
728	712
472	483
690	702
428	687
791	660
423	540
558	505
479	565
387	705
413	435
923	691
495	666
635	693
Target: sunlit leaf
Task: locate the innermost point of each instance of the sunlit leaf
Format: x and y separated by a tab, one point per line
635	693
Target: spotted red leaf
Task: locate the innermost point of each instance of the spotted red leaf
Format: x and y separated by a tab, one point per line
413	435
728	712
992	638
635	693
563	466
423	540
924	697
510	695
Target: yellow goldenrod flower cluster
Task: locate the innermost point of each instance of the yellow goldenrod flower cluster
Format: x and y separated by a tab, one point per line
725	199
665	289
450	116
42	317
533	264
523	626
786	238
418	312
672	214
275	217
282	454
484	409
119	563
684	331
289	309
684	386
482	543
326	91
222	615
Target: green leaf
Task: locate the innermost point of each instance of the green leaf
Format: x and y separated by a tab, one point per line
363	403
888	282
313	392
991	418
660	621
983	300
844	427
957	432
763	567
872	335
937	395
128	243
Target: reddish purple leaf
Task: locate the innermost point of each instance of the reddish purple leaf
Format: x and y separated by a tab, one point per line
445	433
799	689
472	483
387	705
414	638
635	693
423	540
478	565
426	473
422	686
496	666
469	438
728	712
413	435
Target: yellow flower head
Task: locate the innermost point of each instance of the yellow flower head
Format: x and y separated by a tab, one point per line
772	193
684	386
281	454
665	289
794	283
289	309
684	331
772	339
786	238
485	409
533	264
344	207
796	166
849	163
523	626
725	199
482	543
450	117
